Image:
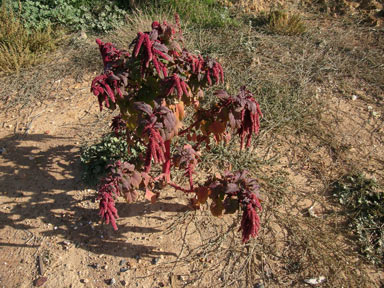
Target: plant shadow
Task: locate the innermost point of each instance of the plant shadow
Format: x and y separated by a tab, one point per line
40	181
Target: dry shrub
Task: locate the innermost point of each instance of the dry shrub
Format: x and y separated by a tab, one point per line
280	22
20	48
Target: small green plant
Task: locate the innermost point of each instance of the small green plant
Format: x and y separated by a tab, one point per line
364	201
280	22
95	158
20	48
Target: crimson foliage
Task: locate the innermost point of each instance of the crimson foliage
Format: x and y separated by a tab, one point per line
151	86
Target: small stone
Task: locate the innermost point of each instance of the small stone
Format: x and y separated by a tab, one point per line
311	212
3	150
40	281
354	97
105	267
83	35
122	262
112	281
155	261
258	285
47	132
123	283
124	269
84	280
95	265
315	281
137	257
55	228
370	108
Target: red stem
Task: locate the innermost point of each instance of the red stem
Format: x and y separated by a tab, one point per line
177	187
189	128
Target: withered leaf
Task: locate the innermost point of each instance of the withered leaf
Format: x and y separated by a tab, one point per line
217	207
150	196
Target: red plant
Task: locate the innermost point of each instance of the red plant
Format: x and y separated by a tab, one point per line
151	87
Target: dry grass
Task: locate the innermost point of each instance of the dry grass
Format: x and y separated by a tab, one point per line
281	22
20	48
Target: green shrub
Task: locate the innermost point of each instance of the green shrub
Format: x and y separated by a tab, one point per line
364	201
75	15
95	158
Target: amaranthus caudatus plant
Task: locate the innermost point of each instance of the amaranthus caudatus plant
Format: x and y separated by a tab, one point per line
151	86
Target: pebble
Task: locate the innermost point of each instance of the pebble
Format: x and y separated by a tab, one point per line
315	281
94	265
105	267
354	97
258	285
40	281
112	281
123	283
84	280
124	269
122	262
3	150
155	261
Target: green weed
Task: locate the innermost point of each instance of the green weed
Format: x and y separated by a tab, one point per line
95	158
201	13
363	200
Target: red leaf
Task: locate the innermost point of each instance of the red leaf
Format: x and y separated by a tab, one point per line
130	196
202	194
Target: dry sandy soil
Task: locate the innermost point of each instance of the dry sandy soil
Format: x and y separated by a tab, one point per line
50	227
